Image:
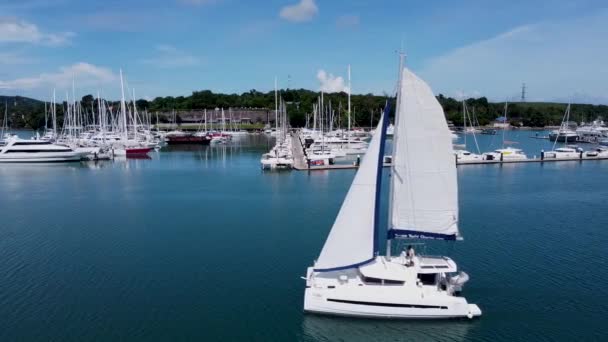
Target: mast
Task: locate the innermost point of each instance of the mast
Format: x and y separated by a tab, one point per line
315	109
223	122
504	127
349	91
276	106
101	120
134	122
464	120
395	137
54	115
46	118
123	109
5	118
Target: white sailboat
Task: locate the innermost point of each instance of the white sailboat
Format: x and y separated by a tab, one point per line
350	278
465	156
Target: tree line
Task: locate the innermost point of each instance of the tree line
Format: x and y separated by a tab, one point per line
25	112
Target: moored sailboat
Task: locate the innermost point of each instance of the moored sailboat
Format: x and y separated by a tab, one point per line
350	277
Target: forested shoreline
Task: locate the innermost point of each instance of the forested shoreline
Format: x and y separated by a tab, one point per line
28	113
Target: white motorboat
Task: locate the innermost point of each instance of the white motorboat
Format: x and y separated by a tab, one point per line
600	152
339	146
593	132
508	153
350	277
30	151
563	135
464	156
321	158
563	153
271	163
472	130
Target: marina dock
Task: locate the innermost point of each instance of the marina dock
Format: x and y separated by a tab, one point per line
300	163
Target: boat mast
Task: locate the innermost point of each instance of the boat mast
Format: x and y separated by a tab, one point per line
46	118
223	122
5	118
395	138
135	115
276	106
464	119
504	127
101	120
349	91
123	109
54	114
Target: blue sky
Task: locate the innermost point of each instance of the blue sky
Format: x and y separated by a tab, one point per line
172	47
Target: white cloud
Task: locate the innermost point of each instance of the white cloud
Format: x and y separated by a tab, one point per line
328	83
348	21
556	60
84	74
305	10
13	30
168	56
10	58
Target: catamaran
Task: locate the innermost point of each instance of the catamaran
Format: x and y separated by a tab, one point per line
350	277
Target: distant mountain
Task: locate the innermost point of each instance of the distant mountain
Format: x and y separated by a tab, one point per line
23	112
18	100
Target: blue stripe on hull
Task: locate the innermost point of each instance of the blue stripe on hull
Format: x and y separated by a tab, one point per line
413	234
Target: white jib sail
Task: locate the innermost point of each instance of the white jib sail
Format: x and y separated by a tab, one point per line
424	196
351	239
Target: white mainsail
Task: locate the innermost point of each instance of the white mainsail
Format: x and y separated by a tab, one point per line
424	190
351	239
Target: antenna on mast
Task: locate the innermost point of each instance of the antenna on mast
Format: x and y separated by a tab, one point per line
523	92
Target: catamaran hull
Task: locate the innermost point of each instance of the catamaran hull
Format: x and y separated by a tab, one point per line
335	304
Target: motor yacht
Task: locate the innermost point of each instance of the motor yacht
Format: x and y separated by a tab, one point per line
564	153
563	135
464	156
28	151
505	154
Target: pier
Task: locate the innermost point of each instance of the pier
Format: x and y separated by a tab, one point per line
300	160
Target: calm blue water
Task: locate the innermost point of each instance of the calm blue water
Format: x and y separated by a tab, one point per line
199	244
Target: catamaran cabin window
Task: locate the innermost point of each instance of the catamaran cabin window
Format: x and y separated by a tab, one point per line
38	151
428	279
32	143
376	281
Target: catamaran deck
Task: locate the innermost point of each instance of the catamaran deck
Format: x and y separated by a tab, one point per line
301	165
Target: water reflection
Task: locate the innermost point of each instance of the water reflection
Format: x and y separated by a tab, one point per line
321	328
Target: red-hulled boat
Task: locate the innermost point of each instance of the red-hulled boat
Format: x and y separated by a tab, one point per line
132	152
137	151
187	139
